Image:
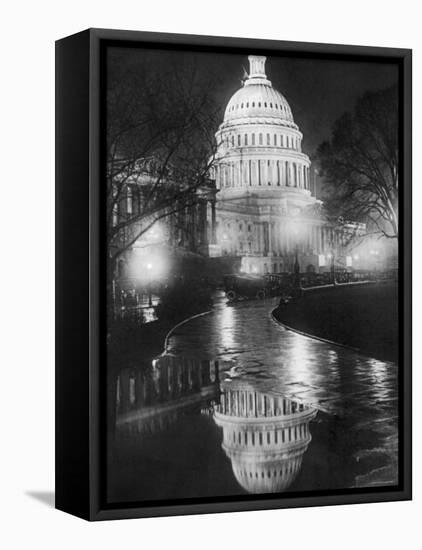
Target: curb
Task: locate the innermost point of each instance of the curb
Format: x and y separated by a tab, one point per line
313	337
170	332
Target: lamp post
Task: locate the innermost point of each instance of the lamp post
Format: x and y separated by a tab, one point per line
332	265
149	268
296	267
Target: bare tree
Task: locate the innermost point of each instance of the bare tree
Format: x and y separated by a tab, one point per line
160	145
360	163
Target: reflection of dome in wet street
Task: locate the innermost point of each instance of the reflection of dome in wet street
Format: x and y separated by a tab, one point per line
150	400
265	436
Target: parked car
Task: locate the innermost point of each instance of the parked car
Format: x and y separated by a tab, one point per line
247	287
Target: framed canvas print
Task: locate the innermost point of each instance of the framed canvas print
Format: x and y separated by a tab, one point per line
233	274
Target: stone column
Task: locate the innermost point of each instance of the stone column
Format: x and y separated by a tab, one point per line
203	236
255	176
213	224
270	238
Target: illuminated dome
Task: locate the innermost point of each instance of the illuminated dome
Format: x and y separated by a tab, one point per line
259	146
263	180
257	99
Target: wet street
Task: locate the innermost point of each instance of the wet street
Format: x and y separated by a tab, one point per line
237	404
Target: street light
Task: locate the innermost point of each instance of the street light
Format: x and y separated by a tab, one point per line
295	232
149	268
297	266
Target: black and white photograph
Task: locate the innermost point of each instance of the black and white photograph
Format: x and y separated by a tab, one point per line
251	220
210	278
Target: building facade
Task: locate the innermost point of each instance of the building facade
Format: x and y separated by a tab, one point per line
180	230
267	212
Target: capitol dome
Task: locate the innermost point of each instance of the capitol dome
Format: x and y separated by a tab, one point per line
257	99
259	145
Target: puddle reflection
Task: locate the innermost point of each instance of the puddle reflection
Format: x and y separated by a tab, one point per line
263	435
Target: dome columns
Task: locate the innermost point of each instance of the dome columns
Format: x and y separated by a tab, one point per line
262	172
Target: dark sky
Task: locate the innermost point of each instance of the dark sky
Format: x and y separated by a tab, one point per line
318	91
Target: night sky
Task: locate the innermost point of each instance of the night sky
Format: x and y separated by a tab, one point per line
318	91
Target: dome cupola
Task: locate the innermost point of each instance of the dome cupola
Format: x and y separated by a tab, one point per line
258	99
259	145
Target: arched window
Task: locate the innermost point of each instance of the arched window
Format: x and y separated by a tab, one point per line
275	139
268	139
253	139
260	139
238	139
246	139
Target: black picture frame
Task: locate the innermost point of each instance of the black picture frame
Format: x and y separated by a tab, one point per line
80	299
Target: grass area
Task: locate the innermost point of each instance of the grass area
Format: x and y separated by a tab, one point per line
364	317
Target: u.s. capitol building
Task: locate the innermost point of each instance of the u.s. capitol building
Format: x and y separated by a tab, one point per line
266	211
